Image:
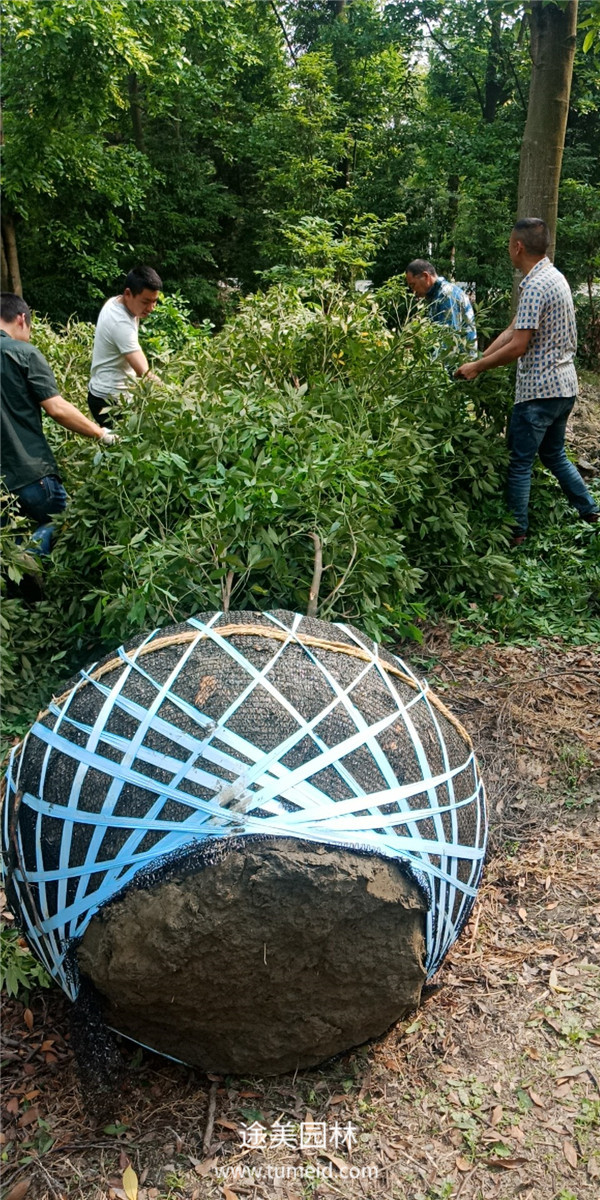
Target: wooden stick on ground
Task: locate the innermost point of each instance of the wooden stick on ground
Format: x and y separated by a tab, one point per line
210	1120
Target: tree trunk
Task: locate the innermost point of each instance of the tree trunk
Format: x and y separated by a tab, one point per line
494	88
553	30
10	254
5	275
453	199
136	111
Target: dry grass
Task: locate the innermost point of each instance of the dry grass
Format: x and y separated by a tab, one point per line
491	1090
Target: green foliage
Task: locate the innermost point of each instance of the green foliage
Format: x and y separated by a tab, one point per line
320	251
302	416
560	558
20	972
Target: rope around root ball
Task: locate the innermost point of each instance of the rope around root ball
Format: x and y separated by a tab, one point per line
278	635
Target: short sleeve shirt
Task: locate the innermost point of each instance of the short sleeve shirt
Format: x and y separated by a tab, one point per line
116	335
25	382
447	304
547	368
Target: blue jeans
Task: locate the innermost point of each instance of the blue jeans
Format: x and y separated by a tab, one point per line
39	501
538	427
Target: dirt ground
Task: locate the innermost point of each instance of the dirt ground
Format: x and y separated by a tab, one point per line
491	1089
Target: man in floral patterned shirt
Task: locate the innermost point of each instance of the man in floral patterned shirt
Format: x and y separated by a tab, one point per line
542	338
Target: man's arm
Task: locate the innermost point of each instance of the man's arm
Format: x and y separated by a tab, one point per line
70	417
508	351
137	359
501	340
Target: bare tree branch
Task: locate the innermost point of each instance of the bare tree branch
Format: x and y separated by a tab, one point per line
313	595
454	54
226	591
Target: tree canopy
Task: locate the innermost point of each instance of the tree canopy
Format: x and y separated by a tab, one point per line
192	136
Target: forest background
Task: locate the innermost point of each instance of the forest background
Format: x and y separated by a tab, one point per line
192	136
265	157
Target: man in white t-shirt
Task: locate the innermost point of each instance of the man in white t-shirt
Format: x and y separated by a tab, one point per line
118	360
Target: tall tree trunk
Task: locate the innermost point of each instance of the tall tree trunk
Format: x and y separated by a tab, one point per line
5	275
9	246
553	30
453	198
135	109
494	88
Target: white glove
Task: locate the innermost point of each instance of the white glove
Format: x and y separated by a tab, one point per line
108	438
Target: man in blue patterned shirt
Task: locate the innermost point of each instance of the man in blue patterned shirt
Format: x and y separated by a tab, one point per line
447	304
542	338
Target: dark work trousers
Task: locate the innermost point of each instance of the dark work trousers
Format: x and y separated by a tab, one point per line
99	408
538	427
40	501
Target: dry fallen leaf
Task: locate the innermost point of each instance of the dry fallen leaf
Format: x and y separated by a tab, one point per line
337	1162
19	1191
570	1153
227	1192
507	1164
515	1131
340	1098
497	1113
523	914
28	1018
203	1168
570	1073
463	1164
29	1117
531	1052
553	979
130	1183
537	1100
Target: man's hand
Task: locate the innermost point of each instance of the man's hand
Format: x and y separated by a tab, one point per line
108	438
468	370
137	359
511	345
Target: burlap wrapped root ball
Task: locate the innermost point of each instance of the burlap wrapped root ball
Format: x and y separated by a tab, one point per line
256	834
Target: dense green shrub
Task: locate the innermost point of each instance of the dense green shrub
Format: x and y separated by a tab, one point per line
302	416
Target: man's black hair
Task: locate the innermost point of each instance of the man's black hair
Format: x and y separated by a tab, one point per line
143	277
12	306
533	233
420	266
